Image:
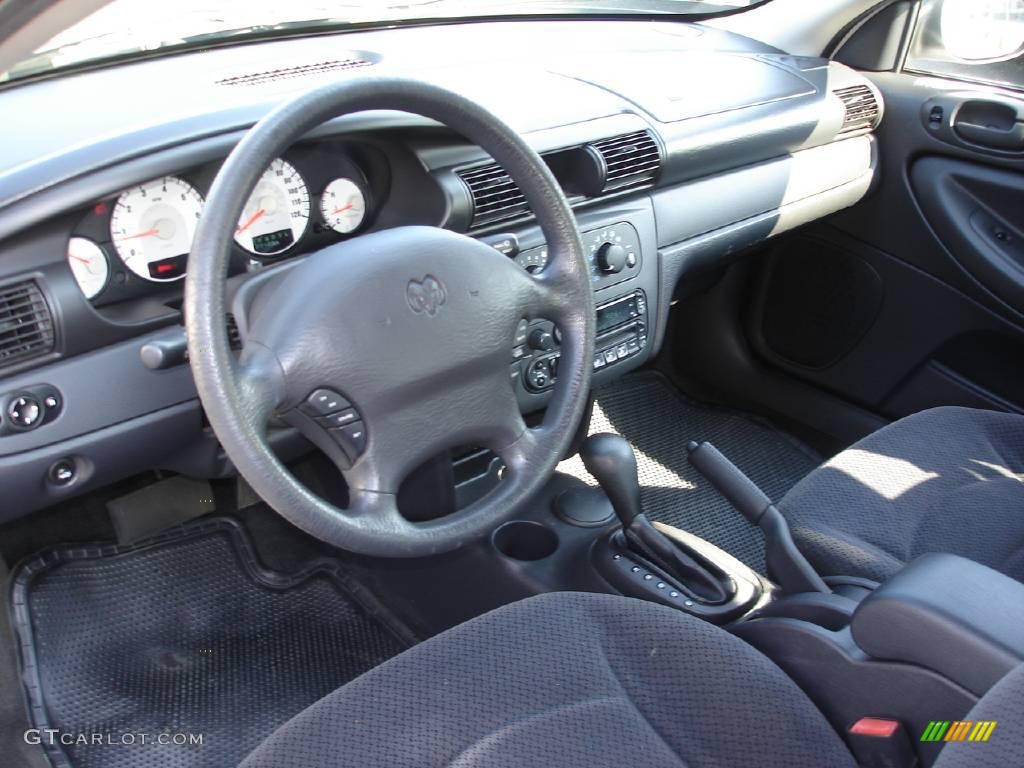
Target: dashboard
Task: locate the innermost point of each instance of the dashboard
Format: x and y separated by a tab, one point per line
678	146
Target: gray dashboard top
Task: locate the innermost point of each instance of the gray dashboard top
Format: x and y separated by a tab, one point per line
535	75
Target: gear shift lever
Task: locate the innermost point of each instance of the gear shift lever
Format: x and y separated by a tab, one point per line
610	459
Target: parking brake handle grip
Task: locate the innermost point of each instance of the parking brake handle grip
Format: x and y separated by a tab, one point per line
786	564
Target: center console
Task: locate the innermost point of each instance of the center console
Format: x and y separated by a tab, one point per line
621	249
920	649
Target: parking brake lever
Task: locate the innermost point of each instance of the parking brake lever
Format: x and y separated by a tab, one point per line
786	563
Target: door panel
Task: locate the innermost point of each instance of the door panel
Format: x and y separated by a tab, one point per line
978	213
914	298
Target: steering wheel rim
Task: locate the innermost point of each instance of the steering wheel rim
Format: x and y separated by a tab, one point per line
273	370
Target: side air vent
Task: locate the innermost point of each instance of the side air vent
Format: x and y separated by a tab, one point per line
861	107
26	325
299	70
630	160
495	196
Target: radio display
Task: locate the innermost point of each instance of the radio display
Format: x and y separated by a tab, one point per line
615	314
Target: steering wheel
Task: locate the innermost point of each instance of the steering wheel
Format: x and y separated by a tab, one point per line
408	331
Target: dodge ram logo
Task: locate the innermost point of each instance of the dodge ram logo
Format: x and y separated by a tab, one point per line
426	296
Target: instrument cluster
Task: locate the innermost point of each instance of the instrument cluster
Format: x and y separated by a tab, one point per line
129	244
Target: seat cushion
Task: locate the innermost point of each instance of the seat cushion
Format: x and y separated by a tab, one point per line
1004	704
569	680
943	480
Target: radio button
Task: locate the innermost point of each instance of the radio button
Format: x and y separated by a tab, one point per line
351	438
598	361
324	402
610	356
340	419
634	346
622	351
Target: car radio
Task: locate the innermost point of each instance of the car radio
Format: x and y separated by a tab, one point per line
621	334
621	329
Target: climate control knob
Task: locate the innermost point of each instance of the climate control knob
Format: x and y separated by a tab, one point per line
611	258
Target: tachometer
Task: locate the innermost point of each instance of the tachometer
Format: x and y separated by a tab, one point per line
276	215
89	265
343	205
152	227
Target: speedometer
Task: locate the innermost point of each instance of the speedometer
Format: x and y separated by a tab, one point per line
152	227
276	214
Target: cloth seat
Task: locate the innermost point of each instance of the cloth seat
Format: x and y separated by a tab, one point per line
944	480
575	681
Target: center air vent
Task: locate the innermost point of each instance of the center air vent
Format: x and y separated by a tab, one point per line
26	325
234	337
495	196
862	109
630	160
299	70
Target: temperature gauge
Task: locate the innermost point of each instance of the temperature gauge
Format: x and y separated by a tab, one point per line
343	206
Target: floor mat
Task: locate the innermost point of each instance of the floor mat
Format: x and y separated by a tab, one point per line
659	422
185	633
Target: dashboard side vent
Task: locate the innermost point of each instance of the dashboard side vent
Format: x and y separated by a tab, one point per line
861	107
299	70
630	160
26	325
495	196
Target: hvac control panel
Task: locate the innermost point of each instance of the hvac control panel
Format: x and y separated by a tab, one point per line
613	252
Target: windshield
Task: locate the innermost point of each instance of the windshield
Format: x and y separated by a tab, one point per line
127	27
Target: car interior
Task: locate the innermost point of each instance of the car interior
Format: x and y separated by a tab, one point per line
527	383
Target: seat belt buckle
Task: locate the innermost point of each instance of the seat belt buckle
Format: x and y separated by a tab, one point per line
879	742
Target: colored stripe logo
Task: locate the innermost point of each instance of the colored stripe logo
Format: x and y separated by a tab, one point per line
958	730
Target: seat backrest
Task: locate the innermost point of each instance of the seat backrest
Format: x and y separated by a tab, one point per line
1004	704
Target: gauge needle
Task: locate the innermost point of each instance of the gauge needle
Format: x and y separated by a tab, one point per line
342	209
147	233
252	220
79	259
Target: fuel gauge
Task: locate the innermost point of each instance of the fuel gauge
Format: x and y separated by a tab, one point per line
89	265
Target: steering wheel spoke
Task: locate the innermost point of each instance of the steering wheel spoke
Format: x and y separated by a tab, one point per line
258	379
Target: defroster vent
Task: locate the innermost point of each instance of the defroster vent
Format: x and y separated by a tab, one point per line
495	196
630	160
26	325
296	70
862	108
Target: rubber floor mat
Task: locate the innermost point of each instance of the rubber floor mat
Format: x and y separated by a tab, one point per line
184	635
649	412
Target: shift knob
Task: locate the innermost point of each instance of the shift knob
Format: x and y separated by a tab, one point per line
610	459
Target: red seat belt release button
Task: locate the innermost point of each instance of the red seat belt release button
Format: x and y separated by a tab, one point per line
879	742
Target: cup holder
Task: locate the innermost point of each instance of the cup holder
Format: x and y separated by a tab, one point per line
526	541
